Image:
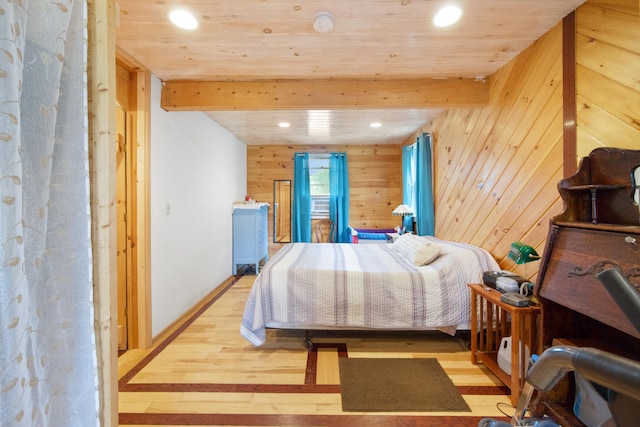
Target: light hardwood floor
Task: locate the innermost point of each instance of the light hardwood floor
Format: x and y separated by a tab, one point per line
202	372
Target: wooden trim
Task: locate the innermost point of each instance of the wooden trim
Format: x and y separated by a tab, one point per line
338	420
141	174
250	388
133	89
569	113
299	94
102	157
128	61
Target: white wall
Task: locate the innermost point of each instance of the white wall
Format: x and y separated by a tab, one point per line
198	169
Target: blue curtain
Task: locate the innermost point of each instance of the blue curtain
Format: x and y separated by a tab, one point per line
301	209
425	221
339	196
408	183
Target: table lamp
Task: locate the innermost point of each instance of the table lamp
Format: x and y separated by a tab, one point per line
402	210
522	254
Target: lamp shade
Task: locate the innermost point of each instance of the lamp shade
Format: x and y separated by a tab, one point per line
402	210
522	254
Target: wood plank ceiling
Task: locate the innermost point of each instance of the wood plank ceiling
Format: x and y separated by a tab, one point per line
252	64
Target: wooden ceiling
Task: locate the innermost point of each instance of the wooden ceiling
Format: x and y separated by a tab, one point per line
259	62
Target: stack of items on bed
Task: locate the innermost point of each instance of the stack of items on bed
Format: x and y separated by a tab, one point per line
375	235
415	283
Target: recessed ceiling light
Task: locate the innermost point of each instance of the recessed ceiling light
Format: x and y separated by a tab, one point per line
375	124
447	16
183	19
284	124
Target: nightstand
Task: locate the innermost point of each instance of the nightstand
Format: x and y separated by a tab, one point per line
492	320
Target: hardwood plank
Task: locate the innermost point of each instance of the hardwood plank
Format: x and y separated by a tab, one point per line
609	26
328	367
597	121
619	100
614	62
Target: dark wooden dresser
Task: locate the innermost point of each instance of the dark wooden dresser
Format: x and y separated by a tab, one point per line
598	229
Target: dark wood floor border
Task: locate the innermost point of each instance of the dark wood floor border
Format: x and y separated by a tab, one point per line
149	357
278	388
483	390
300	420
230	388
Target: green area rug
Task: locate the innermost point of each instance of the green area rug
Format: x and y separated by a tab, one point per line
397	385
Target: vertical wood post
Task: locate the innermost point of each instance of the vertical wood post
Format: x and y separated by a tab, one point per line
101	78
569	157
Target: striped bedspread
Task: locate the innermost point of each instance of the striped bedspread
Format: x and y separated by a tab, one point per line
338	286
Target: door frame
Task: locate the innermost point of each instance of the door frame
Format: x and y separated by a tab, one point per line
123	229
133	93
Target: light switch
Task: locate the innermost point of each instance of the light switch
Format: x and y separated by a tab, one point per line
167	209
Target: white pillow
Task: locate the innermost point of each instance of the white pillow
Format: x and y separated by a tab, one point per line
416	250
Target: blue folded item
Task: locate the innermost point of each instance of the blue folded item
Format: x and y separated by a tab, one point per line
373	234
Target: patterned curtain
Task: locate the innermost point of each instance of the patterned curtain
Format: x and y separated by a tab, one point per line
48	359
339	196
301	209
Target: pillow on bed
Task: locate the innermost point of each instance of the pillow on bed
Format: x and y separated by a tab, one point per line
416	250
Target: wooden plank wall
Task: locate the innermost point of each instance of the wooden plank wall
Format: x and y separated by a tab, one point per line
375	179
497	167
607	70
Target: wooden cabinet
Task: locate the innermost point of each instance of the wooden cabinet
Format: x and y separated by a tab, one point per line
250	235
491	321
569	287
593	233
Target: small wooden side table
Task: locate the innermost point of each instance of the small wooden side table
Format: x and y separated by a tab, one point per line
491	320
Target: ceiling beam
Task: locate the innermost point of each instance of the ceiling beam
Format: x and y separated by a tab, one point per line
178	95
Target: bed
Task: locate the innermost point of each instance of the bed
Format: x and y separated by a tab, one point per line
338	286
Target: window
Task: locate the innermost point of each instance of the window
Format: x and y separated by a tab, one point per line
319	185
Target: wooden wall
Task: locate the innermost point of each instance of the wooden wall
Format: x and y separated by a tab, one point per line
375	179
497	167
607	75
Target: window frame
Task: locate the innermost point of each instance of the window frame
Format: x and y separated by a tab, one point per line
319	199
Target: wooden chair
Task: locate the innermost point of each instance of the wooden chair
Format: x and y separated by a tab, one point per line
325	230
